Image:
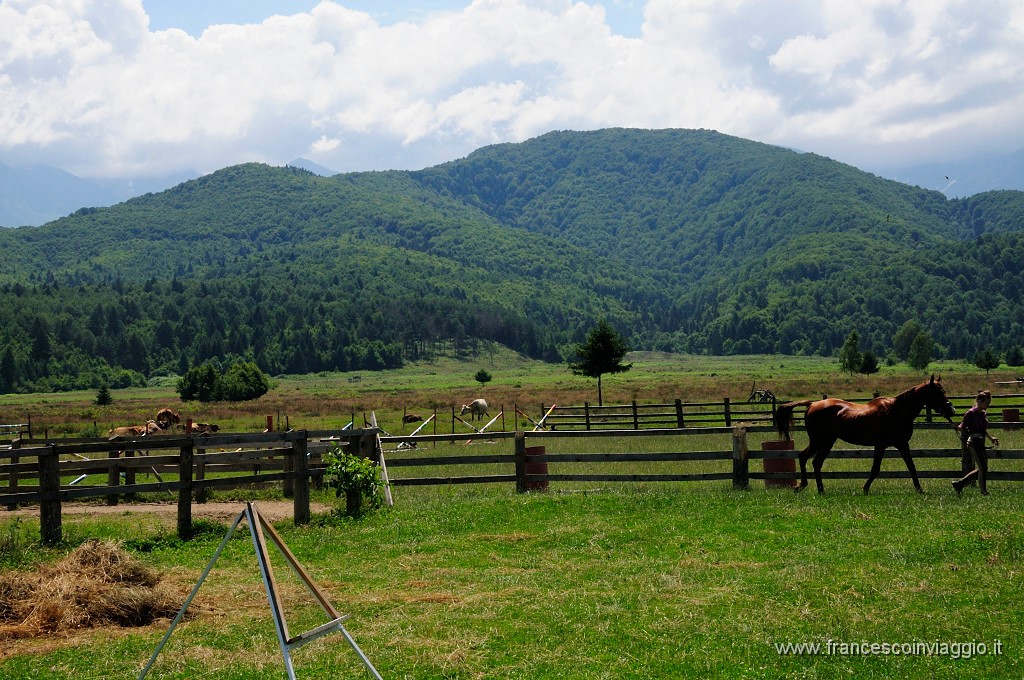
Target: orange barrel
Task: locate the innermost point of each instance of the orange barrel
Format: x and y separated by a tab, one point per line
778	464
1011	415
536	467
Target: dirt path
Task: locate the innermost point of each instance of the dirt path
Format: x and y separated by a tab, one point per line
274	511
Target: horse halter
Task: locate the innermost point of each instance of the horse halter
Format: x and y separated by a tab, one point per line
945	408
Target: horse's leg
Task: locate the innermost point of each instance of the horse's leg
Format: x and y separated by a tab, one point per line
820	455
819	460
804	455
876	467
904	450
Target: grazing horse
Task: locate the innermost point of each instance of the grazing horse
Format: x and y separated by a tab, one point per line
476	408
882	422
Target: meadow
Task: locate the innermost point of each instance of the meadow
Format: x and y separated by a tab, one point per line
585	580
331	400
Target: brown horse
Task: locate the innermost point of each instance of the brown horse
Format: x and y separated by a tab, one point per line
882	422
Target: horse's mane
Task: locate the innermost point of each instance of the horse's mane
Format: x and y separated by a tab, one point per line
913	392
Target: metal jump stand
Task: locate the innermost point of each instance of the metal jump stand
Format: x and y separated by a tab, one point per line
257	526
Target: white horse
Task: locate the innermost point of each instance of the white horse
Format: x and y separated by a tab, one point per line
476	408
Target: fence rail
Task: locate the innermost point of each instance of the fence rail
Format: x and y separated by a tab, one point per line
726	412
49	473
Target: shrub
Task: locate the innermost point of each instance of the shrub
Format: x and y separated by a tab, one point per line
243	381
358	478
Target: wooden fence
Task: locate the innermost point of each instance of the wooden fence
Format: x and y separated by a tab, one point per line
50	473
11	431
53	472
636	416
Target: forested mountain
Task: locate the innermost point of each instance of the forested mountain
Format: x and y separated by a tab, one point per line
684	240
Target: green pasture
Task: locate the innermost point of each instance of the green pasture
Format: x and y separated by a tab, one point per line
331	400
597	580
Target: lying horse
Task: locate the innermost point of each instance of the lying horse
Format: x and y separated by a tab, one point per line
882	422
151	427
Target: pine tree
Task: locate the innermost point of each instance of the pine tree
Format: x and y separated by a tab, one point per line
869	363
601	353
103	396
850	358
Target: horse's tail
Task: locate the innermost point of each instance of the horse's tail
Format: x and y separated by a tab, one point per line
784	416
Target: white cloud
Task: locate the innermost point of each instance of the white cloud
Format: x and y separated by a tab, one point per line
86	85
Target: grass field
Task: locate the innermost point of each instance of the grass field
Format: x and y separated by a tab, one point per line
588	580
692	580
331	400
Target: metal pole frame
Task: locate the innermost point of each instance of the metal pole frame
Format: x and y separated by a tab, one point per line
257	526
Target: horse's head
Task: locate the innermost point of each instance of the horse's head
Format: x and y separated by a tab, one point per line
936	400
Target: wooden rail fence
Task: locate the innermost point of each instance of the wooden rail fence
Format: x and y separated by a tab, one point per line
49	473
678	413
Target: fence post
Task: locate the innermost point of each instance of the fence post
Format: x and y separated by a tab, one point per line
113	476
586	413
740	460
185	457
289	481
520	456
301	467
728	412
366	447
636	417
12	479
679	413
49	506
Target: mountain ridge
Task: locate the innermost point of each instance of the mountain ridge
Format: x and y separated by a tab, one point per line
685	240
31	195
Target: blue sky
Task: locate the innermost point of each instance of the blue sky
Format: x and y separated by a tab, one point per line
151	88
193	16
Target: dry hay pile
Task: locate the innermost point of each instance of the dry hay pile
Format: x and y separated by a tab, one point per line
98	584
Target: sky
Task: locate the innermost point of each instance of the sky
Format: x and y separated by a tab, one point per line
150	88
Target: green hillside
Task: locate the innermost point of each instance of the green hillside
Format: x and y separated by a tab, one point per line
685	240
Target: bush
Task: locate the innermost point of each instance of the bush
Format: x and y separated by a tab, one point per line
243	381
358	478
